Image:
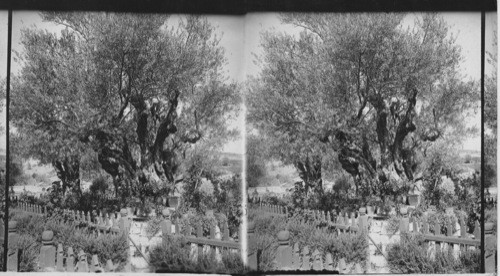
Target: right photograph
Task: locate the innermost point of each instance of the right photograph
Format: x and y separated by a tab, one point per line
363	142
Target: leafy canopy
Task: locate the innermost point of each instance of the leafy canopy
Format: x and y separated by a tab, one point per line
130	88
374	91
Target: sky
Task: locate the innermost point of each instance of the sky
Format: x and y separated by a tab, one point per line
240	37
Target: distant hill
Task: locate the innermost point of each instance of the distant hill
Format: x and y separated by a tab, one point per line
472	153
231	155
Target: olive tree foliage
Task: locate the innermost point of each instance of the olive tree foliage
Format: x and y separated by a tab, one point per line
131	89
375	92
256	158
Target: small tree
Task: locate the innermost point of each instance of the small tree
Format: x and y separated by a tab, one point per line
256	160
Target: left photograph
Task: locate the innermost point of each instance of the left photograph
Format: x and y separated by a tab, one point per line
125	143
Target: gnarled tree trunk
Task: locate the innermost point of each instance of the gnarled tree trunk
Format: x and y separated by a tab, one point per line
395	166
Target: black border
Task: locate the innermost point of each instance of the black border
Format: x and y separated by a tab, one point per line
241	7
238	7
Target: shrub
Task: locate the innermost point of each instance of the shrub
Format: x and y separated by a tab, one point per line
227	193
266	246
444	219
107	247
393	223
410	255
173	255
352	247
15	170
153	226
99	186
29	252
30	229
267	226
206	222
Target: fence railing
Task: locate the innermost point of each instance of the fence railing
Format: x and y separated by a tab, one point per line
100	223
215	240
423	227
491	200
448	241
293	257
371	211
269	208
66	261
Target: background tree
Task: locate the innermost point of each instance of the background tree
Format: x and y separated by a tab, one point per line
375	92
256	155
135	91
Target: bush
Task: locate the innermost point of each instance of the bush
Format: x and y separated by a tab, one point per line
352	247
30	229
153	226
227	193
99	186
173	255
206	222
267	226
442	219
411	255
393	224
15	170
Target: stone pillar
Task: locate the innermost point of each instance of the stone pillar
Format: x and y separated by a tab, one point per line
59	258
363	221
284	251
95	265
404	225
317	259
166	224
82	266
48	250
109	266
124	222
70	261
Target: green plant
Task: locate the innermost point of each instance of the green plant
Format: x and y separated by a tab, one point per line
443	219
266	246
303	231
99	186
153	226
227	194
30	229
173	255
392	224
410	255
